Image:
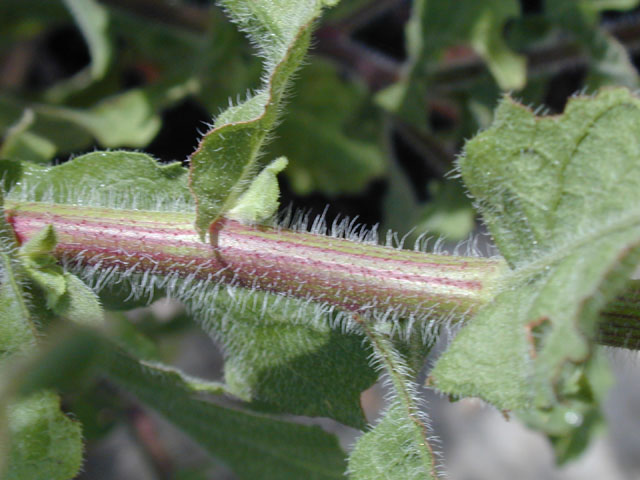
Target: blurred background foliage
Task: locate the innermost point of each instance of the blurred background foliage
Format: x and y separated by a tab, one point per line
374	122
372	126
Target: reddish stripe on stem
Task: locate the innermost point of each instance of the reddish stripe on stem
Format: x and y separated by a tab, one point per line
349	275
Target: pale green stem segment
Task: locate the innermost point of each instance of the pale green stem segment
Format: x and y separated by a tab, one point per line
357	277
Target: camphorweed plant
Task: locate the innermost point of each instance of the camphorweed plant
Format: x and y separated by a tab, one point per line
308	314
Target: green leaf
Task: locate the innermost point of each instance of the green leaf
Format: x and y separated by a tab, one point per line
39	245
10	172
66	295
21	144
448	213
611	4
328	135
226	158
560	197
79	304
41	266
571	427
93	21
255	446
284	365
388	452
610	63
437	25
261	200
262	373
17	332
45	444
127	119
115	179
398	447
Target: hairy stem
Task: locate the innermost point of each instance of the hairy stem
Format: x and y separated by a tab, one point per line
356	277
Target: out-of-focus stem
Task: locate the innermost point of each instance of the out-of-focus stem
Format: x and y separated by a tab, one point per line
357	277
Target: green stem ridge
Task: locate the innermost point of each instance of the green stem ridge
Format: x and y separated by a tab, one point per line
352	276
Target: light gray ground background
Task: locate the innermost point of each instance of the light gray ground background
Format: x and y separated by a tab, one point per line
477	442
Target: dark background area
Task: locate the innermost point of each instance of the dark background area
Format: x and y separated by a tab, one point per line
62	52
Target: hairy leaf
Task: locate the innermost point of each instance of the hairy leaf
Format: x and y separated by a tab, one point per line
17	332
117	179
42	267
560	196
283	357
79	304
45	444
226	159
389	450
289	367
255	446
261	200
399	446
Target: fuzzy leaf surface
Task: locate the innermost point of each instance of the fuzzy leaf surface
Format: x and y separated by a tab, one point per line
560	196
261	200
117	179
388	452
283	357
226	159
45	444
289	367
16	330
398	447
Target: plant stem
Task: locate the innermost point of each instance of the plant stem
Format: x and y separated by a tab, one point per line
357	277
353	276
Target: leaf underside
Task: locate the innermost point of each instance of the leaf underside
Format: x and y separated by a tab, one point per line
285	366
560	196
